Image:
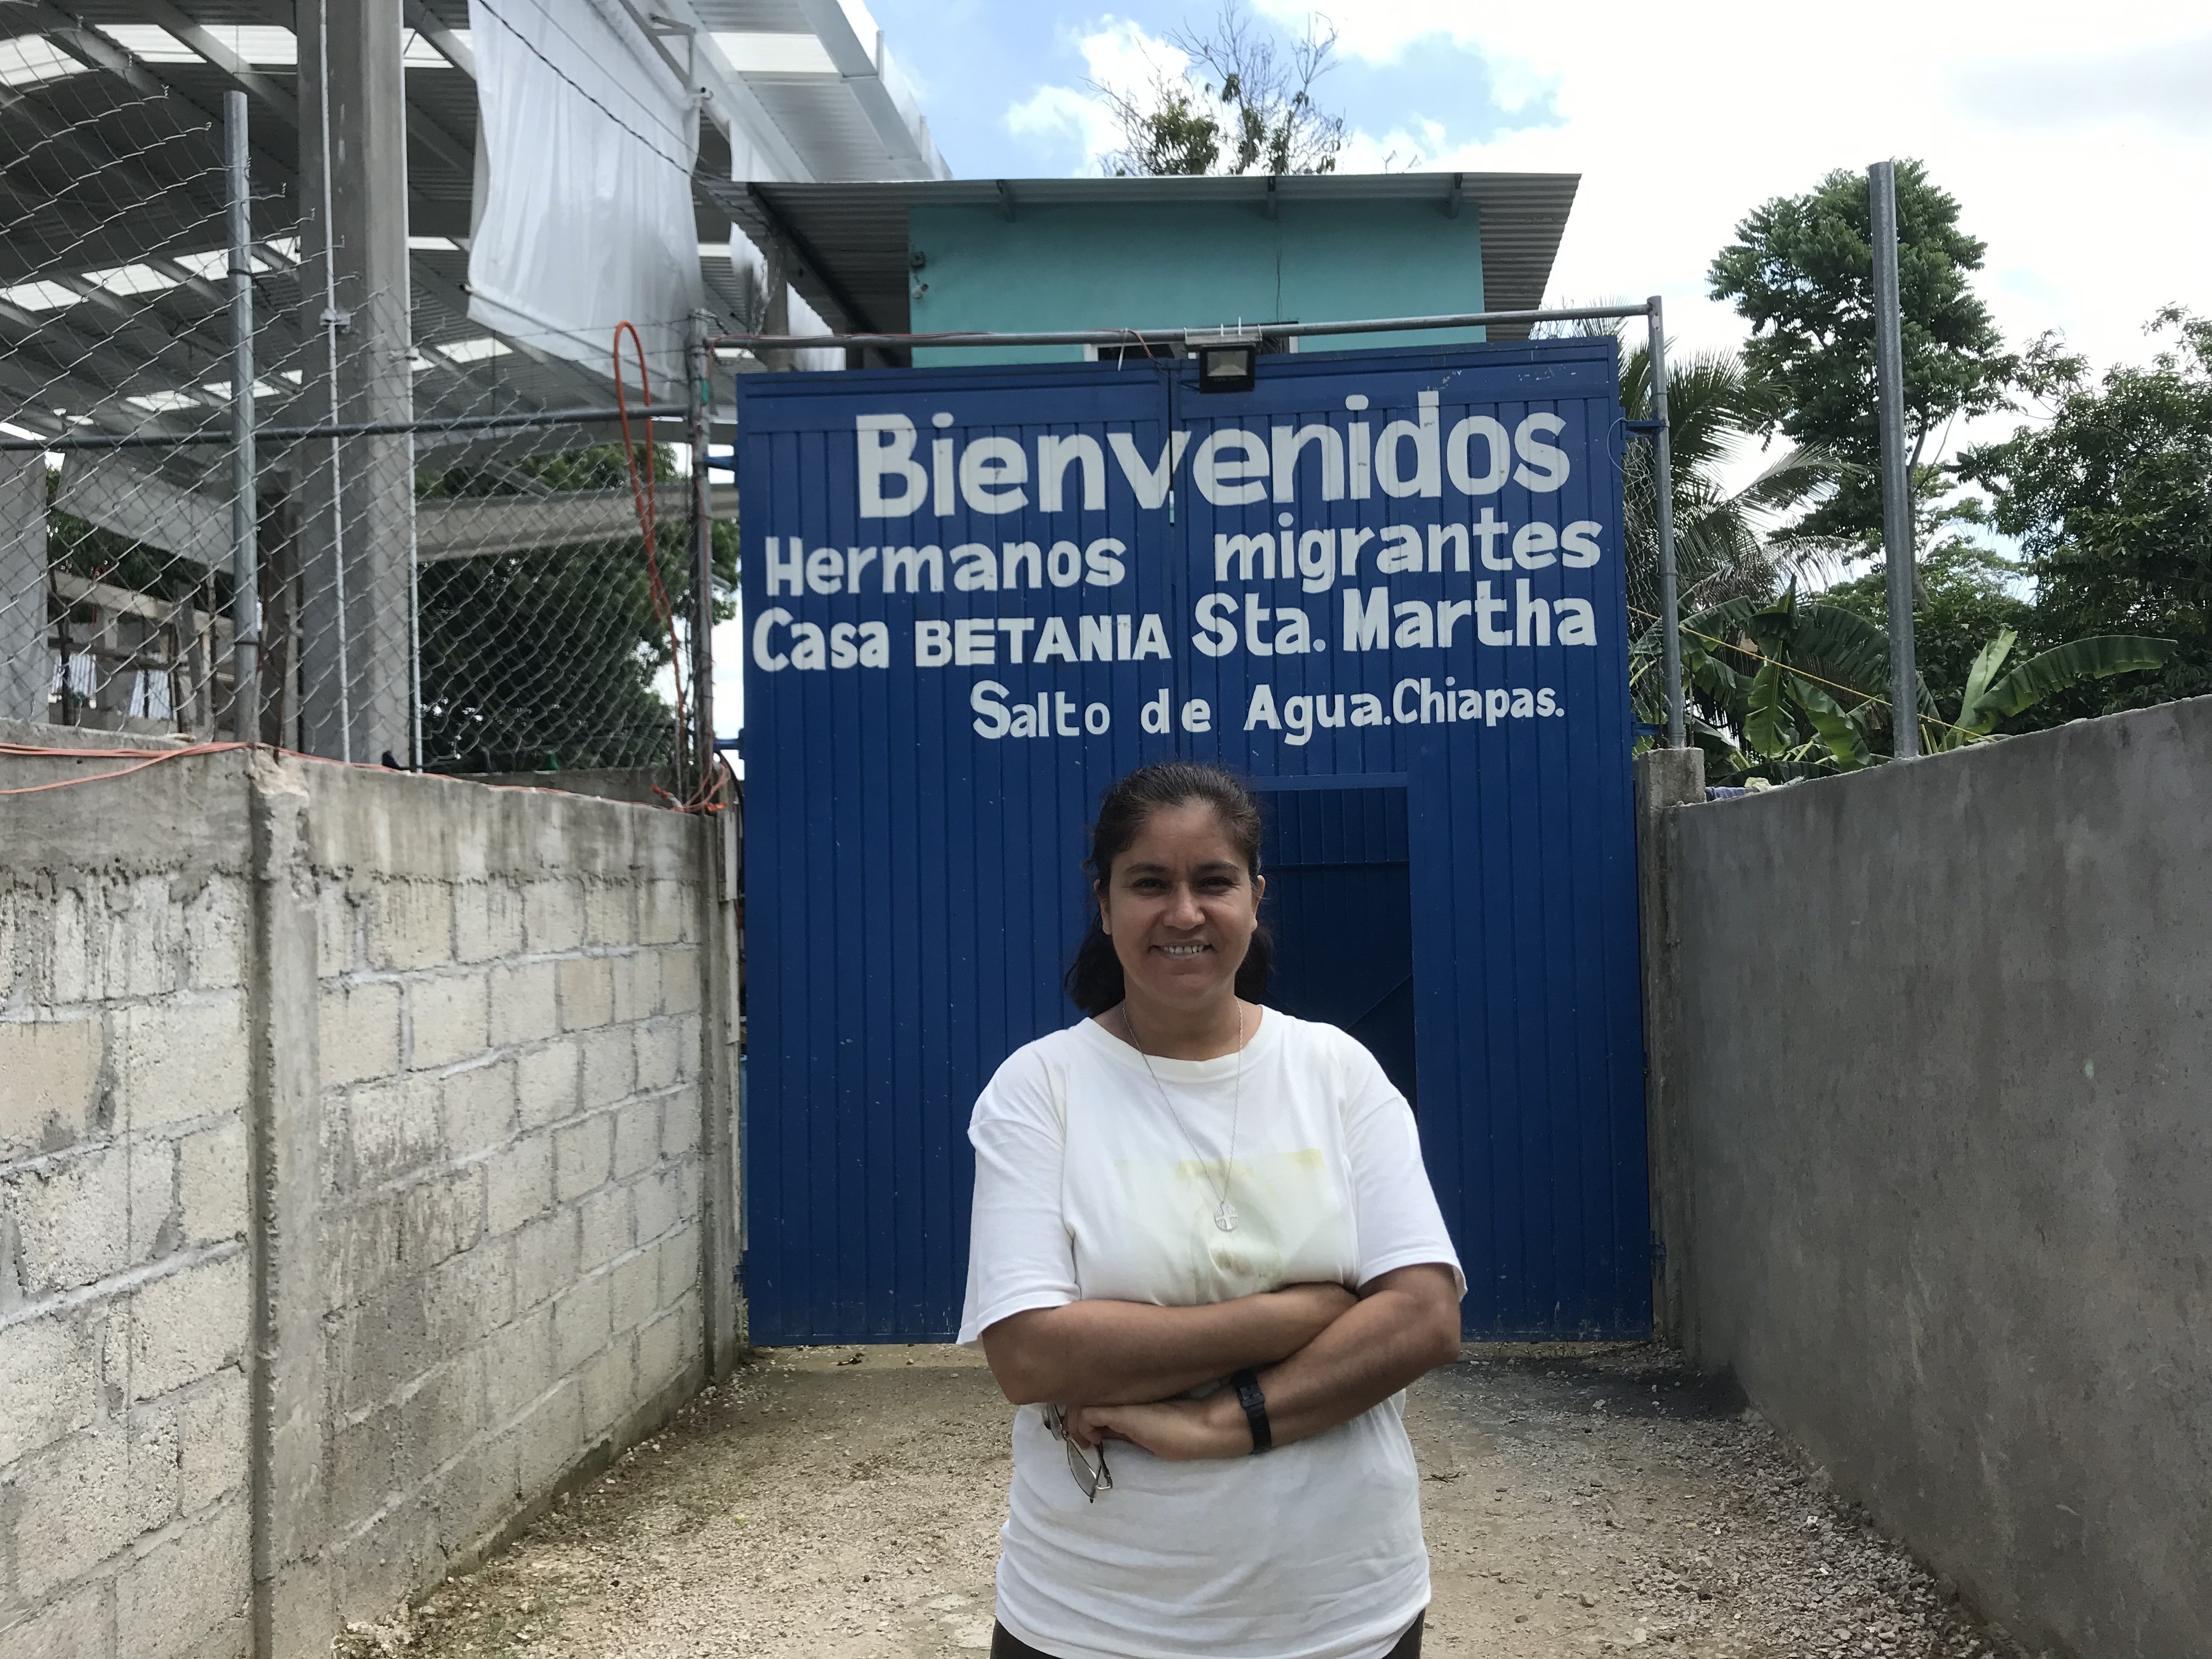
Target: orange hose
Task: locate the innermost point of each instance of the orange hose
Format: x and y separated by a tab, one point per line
142	758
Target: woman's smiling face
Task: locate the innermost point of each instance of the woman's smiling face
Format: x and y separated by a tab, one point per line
1180	908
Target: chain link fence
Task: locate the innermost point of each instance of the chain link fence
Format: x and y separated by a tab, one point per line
1639	537
548	639
114	587
443	558
1640	530
437	556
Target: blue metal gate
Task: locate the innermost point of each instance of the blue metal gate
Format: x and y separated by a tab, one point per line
1339	907
1387	585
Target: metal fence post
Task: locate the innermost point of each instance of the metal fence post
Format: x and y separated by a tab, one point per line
414	614
696	407
1896	478
1663	472
245	501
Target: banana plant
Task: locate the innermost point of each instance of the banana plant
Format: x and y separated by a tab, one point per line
1793	680
1796	687
1992	694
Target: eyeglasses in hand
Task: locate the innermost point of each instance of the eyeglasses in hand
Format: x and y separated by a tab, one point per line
1092	1481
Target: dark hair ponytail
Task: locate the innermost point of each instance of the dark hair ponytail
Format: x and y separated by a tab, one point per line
1093	980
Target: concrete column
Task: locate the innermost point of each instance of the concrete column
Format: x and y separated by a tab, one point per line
719	1228
26	667
357	495
291	1605
1665	778
775	316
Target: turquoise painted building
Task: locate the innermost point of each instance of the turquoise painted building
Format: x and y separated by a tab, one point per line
1053	254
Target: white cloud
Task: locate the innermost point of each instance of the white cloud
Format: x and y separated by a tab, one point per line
1120	56
1124	56
1064	115
2158	85
2077	139
1405	149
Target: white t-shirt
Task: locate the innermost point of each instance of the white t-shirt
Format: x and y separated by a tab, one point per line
1085	1187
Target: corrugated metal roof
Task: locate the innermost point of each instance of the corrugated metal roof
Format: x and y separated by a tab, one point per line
851	239
825	123
757	17
110	167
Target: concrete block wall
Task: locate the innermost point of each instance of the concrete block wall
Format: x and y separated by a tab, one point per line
123	1262
1940	1155
509	1237
364	1154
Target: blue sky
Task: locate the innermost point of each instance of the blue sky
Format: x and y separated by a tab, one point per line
2072	136
2077	139
974	60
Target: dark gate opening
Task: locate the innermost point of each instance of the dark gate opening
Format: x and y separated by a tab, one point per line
1339	906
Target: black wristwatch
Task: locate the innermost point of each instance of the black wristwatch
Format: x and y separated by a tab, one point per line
1255	1410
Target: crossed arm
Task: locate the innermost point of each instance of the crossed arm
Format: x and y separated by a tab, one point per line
1323	1357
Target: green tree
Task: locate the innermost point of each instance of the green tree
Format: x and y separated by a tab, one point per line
1798	687
1730	542
1969	594
1246	105
1801	272
1785	688
2112	501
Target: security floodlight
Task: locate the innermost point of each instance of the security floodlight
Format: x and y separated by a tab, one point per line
1229	364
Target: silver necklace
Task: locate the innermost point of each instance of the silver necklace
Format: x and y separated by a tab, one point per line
1225	1213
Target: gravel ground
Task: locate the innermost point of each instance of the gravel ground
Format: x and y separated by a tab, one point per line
844	1503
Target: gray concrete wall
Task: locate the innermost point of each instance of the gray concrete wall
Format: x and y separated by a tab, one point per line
1665	778
44	734
355	1185
125	1270
1945	1119
630	783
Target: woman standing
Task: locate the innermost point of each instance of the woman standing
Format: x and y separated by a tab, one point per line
1202	1233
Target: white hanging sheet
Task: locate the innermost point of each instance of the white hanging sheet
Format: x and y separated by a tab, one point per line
805	320
751	266
583	214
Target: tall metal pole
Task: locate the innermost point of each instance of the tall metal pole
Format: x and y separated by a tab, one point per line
1896	475
696	361
245	511
1662	475
414	617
